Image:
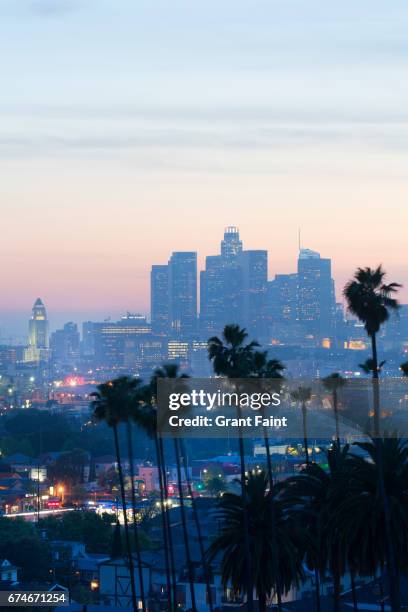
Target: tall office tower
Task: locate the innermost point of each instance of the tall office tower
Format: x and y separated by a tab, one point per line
183	293
231	246
221	286
282	299
254	266
64	344
88	339
38	341
316	298
159	299
220	294
117	343
38	326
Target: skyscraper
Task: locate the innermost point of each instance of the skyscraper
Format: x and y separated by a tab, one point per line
183	293
221	286
282	309
64	344
159	299
316	298
282	299
231	245
254	266
38	340
220	294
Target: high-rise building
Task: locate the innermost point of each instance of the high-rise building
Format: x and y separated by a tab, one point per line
220	294
159	299
183	293
231	245
282	299
64	344
221	286
118	343
282	309
38	340
38	326
233	287
254	266
316	297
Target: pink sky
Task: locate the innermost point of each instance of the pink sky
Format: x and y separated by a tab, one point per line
85	240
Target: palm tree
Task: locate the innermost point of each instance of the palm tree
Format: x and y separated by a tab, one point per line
206	568
133	408
333	383
232	357
110	404
171	371
271	369
147	420
371	300
358	510
264	368
303	395
404	368
230	543
309	496
369	366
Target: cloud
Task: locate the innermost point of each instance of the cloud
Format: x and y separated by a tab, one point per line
52	8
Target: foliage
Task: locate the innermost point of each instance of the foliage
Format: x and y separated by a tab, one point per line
230	355
370	298
45	432
358	510
69	467
215	485
230	542
88	527
21	544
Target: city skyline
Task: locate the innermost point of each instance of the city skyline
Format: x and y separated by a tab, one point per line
121	148
15	325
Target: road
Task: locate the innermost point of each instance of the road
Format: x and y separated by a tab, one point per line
32	516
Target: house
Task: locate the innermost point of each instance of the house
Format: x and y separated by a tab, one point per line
20	462
114	583
70	554
8	573
65	551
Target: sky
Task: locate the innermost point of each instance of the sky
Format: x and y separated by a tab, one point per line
132	129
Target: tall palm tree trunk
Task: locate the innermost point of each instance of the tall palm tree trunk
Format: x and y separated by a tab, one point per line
184	526
336	589
135	526
125	520
168	525
207	574
317	589
273	521
353	591
164	523
391	566
247	545
305	440
336	416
